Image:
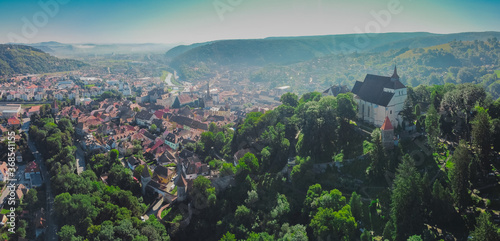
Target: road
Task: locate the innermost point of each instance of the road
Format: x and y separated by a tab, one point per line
80	159
50	232
168	80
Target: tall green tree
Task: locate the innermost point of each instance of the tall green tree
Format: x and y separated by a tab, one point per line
406	200
459	175
485	229
432	126
290	99
482	136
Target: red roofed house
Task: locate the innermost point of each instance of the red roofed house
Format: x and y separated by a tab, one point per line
31	168
34	110
13	121
387	133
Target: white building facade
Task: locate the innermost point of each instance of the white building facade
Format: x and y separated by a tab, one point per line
379	97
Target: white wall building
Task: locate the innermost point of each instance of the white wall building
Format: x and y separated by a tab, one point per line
379	97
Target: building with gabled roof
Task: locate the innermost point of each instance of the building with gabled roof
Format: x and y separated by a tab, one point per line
379	97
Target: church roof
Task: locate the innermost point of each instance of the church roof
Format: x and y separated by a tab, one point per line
395	74
387	124
372	89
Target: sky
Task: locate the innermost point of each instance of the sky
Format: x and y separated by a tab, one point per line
191	21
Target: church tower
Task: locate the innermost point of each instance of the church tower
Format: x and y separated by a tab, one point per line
77	97
387	134
145	178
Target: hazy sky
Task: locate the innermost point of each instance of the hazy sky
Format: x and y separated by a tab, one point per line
189	21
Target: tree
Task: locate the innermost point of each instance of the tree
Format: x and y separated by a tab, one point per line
356	206
459	175
366	236
202	192
31	199
377	155
248	164
260	237
153	127
228	237
459	104
290	99
67	233
408	111
406	200
482	136
340	225
432	126
294	233
485	229
415	238
120	176
346	107
417	110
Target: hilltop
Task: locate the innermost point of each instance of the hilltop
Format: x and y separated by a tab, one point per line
20	59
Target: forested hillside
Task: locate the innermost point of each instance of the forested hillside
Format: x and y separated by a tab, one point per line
19	59
431	186
454	62
312	64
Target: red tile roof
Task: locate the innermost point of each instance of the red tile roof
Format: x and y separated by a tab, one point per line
14	121
387	124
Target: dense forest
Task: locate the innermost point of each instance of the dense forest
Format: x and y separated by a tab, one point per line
20	59
440	183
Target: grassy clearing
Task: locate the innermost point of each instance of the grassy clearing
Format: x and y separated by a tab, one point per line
498	73
24	106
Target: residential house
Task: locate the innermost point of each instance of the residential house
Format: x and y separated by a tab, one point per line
14	121
133	162
163	175
31	168
172	141
336	90
144	118
21	191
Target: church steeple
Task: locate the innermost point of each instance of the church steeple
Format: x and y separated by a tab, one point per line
395	75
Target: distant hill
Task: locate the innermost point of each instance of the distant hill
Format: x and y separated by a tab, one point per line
289	50
282	50
178	50
20	59
70	50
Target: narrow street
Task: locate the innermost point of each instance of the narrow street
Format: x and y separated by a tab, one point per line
80	159
50	232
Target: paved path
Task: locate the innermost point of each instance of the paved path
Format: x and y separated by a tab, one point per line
80	159
154	209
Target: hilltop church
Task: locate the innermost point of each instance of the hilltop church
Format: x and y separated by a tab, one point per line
379	97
